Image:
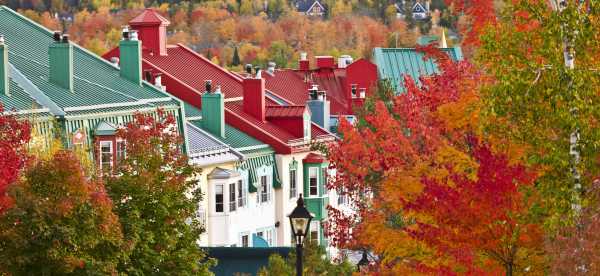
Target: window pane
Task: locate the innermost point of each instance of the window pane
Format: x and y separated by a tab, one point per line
264	189
245	241
313	189
240	194
219	198
232	197
120	151
106	156
293	183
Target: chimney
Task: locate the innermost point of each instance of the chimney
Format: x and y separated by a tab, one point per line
3	67
158	82
213	110
344	61
271	67
303	64
319	107
254	96
152	29
61	61
131	56
325	62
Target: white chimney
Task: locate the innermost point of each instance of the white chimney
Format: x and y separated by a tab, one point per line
363	93
344	61
271	67
303	56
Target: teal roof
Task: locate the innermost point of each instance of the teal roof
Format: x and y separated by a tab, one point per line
97	83
191	111
426	39
19	100
239	140
394	63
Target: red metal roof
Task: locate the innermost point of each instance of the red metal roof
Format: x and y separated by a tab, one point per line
314	158
285	111
290	84
149	17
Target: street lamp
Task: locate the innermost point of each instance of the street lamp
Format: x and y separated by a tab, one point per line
363	264
300	221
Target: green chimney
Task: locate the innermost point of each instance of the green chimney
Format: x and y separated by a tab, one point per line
61	62
131	58
3	67
213	112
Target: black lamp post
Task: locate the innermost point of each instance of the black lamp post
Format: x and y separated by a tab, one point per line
363	264
300	221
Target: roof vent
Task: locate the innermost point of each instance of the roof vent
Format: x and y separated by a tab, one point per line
114	60
1	39
312	92
126	33
56	36
134	35
158	81
218	89
65	38
257	71
208	86
248	68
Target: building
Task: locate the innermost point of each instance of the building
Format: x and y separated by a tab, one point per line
418	10
395	63
312	8
341	87
69	92
248	107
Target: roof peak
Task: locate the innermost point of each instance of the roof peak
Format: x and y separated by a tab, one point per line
149	16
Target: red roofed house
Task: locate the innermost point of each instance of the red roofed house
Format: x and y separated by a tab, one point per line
247	105
345	85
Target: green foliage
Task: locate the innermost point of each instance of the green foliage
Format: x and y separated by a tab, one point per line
314	262
61	223
279	53
156	198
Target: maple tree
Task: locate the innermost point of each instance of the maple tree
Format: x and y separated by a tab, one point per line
410	149
61	222
156	197
14	136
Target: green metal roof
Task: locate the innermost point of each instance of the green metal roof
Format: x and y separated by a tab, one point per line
394	63
239	140
192	112
19	99
97	83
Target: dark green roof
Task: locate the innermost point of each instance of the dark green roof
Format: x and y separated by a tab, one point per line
191	111
394	63
97	83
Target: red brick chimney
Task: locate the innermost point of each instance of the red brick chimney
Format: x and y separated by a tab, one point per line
254	96
152	31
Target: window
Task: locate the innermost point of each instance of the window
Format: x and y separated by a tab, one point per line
264	189
244	240
242	194
231	197
106	156
120	151
324	175
314	232
219	198
342	198
260	234
293	184
313	176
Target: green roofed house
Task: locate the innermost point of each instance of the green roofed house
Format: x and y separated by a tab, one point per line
395	63
69	92
238	211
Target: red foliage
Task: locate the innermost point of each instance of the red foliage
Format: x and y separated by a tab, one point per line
14	136
480	13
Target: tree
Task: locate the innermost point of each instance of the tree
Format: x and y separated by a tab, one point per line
156	197
61	223
14	136
401	148
314	262
235	61
539	103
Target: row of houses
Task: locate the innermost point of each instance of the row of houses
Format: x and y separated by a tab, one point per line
251	131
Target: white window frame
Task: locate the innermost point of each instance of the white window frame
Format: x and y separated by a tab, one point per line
294	181
231	192
102	161
312	170
248	239
315	225
264	192
121	152
242	193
